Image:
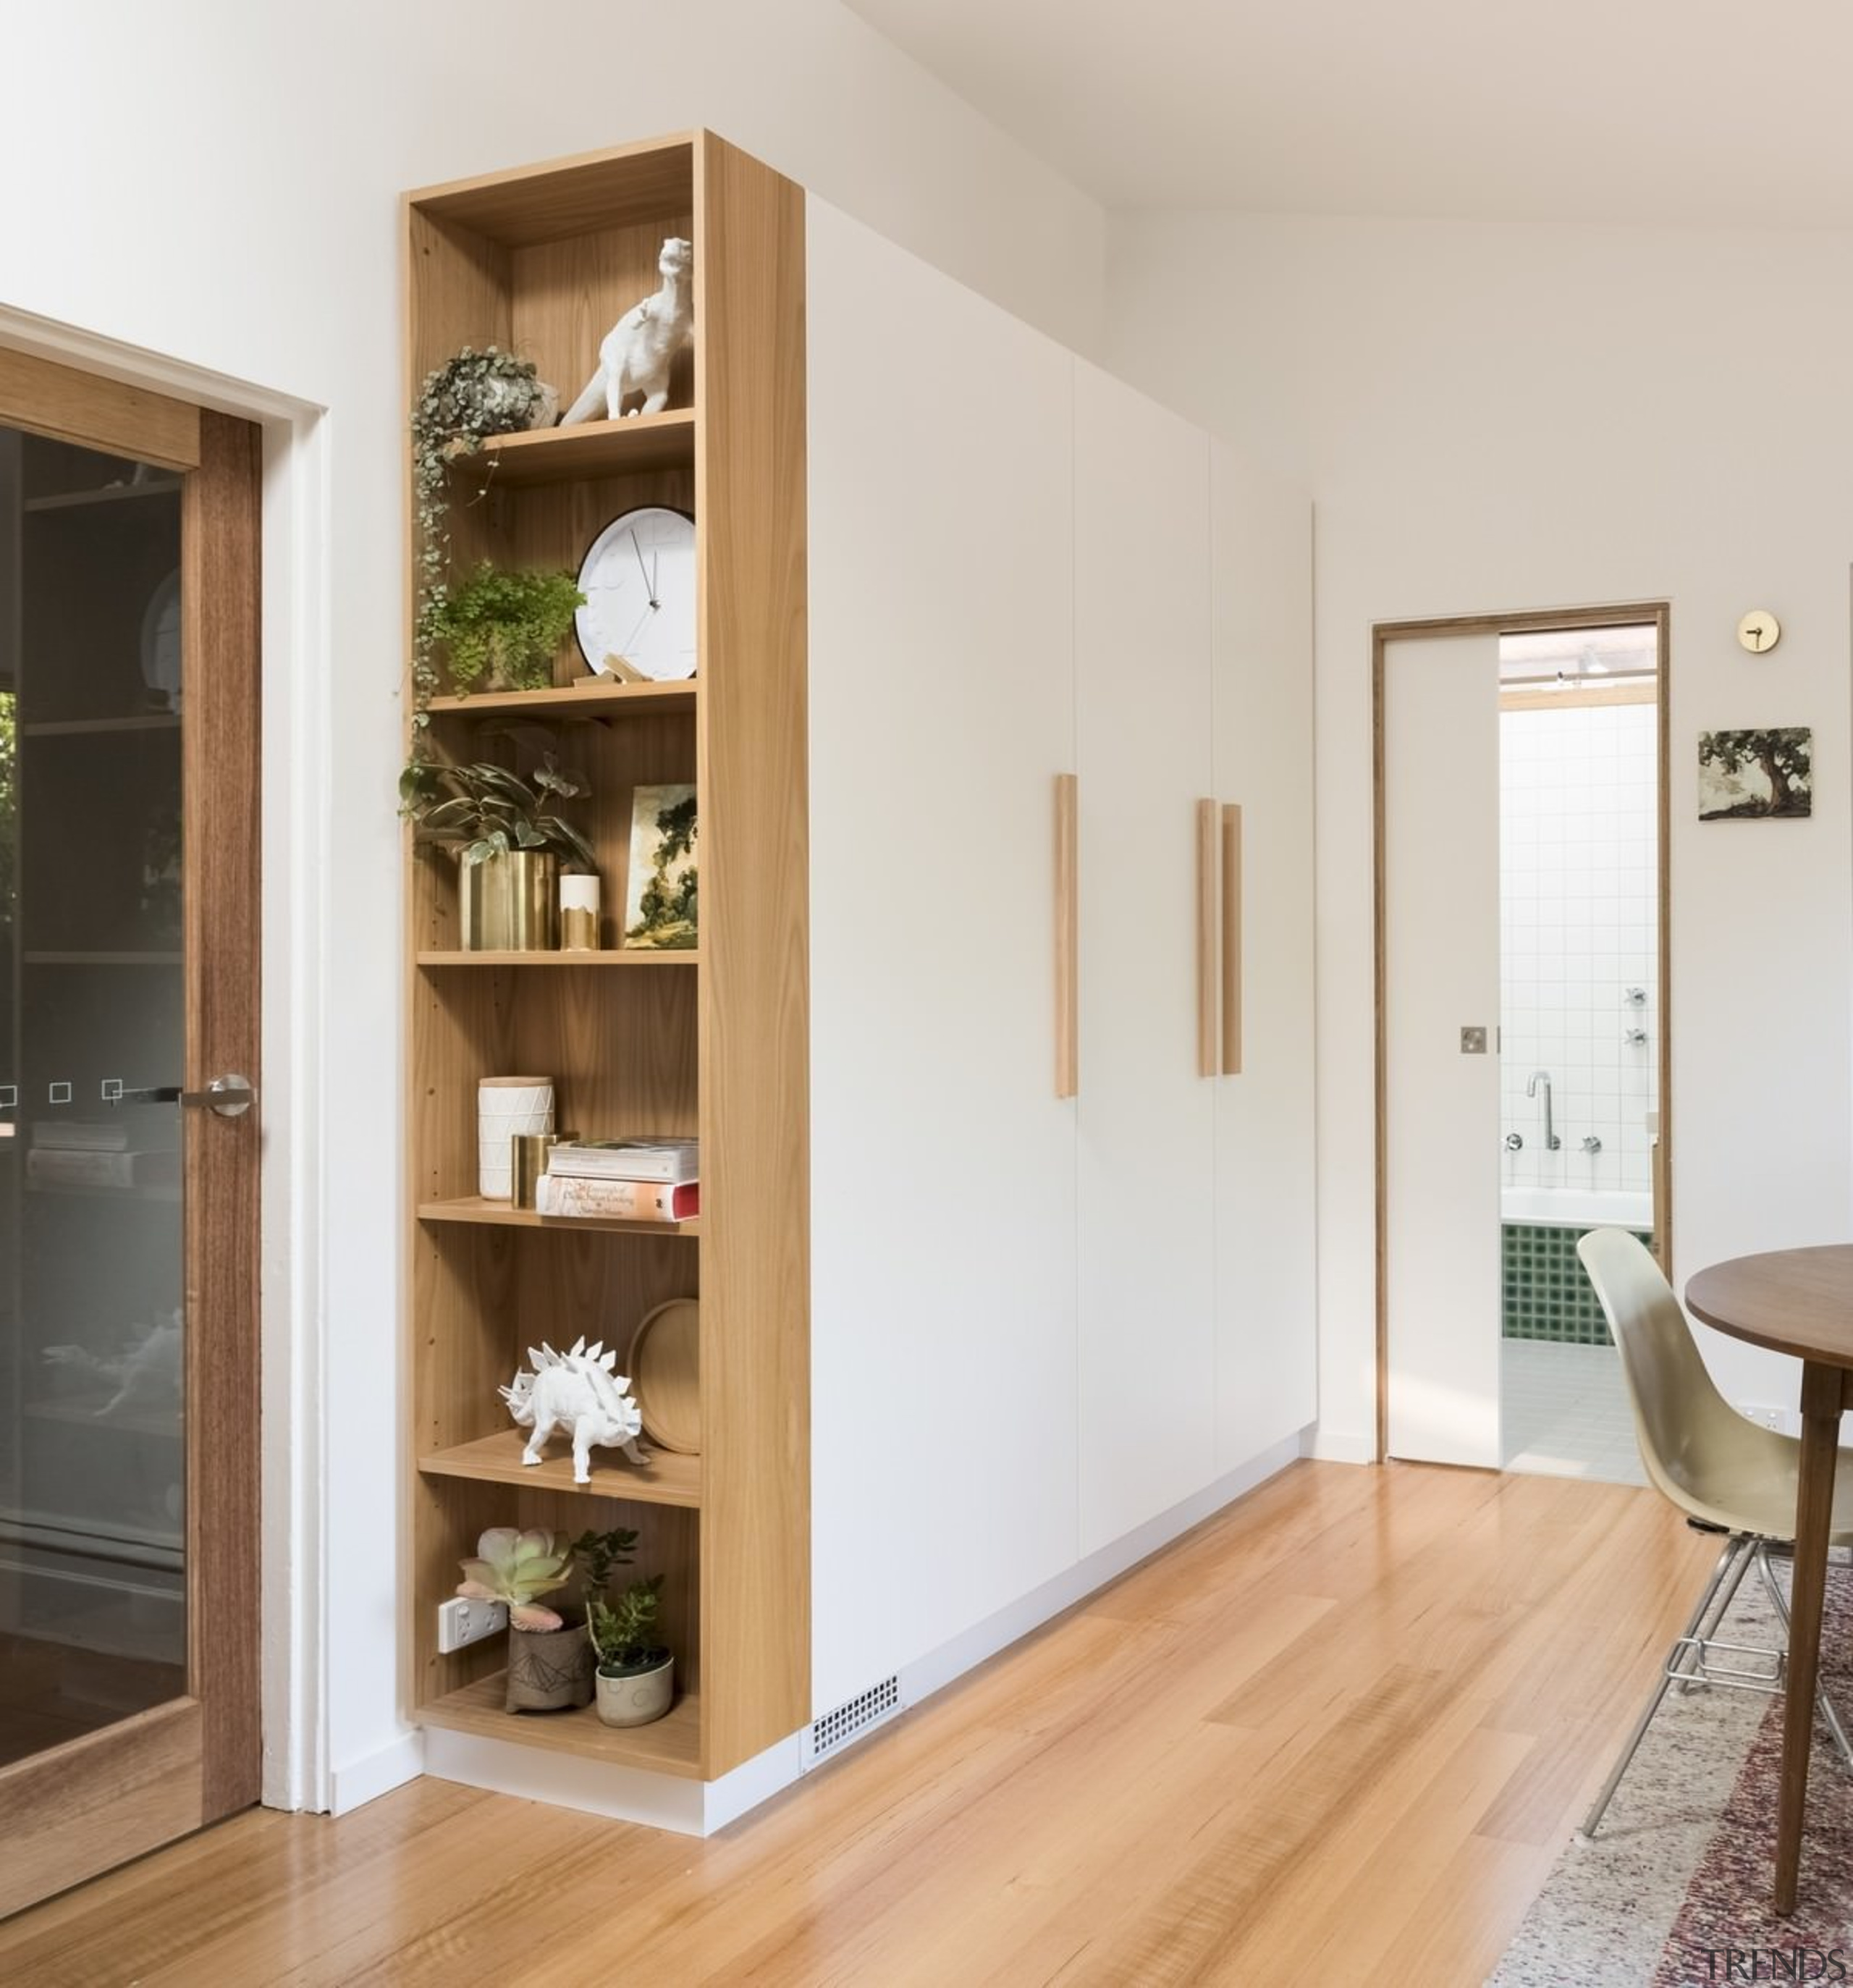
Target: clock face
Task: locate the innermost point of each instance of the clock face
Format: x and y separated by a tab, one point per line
639	582
1759	631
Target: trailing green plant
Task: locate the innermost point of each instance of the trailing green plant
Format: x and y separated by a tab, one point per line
507	626
623	1629
484	810
597	1553
463	402
515	1568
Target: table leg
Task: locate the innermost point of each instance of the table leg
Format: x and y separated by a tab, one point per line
1822	1392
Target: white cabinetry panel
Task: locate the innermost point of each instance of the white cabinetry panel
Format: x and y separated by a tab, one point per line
1142	648
941	589
1266	1365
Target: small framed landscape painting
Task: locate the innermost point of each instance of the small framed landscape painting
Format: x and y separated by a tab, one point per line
659	889
1756	776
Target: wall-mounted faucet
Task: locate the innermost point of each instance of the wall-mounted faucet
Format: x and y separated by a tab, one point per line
1591	1143
1634	1037
1515	1142
1552	1142
1636	997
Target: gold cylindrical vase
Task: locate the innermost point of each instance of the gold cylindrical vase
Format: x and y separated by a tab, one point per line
509	902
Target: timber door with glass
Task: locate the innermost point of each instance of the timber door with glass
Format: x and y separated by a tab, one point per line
129	1126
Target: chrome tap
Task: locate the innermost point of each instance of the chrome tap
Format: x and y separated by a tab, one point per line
1552	1142
1591	1143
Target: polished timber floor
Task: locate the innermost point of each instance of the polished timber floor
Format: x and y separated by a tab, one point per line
1336	1735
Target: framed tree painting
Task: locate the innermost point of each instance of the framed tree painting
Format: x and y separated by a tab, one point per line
659	896
1756	776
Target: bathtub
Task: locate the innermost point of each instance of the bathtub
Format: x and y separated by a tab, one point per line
1577	1208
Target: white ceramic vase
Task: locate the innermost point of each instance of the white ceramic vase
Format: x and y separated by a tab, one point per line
638	1699
507	1108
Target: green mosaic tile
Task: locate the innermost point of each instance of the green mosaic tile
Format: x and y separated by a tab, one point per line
1545	1292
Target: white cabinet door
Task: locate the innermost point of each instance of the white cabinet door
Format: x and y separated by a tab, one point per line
1267	1328
1142	652
943	1173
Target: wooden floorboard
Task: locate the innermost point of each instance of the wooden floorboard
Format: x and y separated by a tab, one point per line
1336	1734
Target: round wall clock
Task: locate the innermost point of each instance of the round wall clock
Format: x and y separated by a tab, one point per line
639	581
1759	631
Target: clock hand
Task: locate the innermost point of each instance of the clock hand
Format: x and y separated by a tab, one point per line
641	567
655	562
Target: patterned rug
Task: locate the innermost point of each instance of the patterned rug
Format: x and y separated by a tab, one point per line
1675	1891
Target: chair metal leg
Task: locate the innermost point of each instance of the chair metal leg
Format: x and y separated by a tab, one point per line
1714	1621
1730	1567
1821	1698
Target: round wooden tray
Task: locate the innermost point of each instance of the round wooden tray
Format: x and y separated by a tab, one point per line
665	1373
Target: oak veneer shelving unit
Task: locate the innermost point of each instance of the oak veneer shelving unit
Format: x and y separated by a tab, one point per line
542	262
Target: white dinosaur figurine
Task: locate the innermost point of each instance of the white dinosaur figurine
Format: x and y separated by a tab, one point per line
640	347
580	1391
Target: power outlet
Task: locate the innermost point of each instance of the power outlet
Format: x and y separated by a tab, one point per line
1785	1422
461	1622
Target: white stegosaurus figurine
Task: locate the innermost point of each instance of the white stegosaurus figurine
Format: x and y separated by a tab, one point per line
580	1390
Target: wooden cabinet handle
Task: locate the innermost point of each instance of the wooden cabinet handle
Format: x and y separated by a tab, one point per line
1206	1063
1232	941
1067	947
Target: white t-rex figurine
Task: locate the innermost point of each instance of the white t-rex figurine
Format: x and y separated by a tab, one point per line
579	1390
639	349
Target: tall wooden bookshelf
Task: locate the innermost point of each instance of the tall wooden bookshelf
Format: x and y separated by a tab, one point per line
541	262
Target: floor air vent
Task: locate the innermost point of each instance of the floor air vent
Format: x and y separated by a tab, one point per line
833	1732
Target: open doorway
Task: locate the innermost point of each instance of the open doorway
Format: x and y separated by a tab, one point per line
1579	1013
1523	1051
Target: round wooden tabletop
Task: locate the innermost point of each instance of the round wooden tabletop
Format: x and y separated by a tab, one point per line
1796	1301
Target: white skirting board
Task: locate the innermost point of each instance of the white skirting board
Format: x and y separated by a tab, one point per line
375	1774
699	1808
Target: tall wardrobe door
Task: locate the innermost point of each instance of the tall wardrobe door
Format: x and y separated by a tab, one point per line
1142	675
942	1356
1266	1330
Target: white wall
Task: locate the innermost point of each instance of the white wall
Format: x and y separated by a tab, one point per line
1578	886
217	182
1499	418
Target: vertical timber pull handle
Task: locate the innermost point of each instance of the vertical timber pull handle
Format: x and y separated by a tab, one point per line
1232	941
1207	1064
1067	936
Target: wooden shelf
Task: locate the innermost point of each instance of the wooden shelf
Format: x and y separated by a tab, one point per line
588	449
591	696
102	958
671	1745
78	500
609	957
624	186
502	1214
76	727
667	1479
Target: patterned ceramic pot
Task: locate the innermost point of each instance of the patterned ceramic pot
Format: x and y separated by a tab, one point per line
637	1697
549	1670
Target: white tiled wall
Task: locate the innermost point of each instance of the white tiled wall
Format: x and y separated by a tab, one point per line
1578	901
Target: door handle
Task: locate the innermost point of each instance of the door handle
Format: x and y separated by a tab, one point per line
231	1096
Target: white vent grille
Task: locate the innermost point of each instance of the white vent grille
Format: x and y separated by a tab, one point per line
851	1720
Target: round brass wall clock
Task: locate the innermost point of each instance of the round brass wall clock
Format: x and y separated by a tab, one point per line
1759	631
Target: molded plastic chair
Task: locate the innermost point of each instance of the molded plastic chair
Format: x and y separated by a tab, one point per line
1718	1466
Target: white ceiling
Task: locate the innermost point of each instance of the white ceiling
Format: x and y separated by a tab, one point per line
1674	111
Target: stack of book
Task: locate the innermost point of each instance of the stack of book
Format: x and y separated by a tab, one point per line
622	1180
80	1152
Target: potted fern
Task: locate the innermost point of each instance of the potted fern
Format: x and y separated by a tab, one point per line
502	629
636	1680
549	1663
510	841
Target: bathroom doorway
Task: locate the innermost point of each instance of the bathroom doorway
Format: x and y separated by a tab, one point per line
1523	1049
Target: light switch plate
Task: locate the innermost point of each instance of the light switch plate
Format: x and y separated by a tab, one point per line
1473	1042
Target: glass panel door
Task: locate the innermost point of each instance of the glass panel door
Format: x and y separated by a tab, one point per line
92	1456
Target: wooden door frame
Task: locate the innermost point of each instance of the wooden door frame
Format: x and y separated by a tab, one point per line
1659	616
82	1807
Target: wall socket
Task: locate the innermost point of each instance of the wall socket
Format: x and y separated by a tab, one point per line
461	1622
1786	1421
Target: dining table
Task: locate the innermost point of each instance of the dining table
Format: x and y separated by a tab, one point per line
1799	1302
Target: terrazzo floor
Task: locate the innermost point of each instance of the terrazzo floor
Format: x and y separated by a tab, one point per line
1564	1413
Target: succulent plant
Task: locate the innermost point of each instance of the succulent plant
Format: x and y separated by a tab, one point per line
514	1567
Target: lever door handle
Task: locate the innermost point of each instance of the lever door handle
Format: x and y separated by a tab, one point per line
231	1096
